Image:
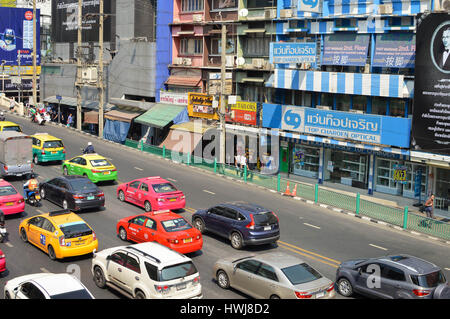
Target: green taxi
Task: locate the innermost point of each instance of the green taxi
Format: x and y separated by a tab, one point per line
95	167
47	148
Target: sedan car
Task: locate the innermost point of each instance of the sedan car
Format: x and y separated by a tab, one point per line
2	262
72	192
273	275
152	193
392	277
11	202
242	223
164	227
95	167
46	286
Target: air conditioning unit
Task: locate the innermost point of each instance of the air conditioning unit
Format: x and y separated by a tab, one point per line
270	14
385	8
286	13
178	61
229	63
197	17
258	63
89	74
323	107
187	61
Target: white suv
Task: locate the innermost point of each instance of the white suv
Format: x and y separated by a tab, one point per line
146	270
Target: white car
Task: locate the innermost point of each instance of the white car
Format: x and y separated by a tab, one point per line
145	271
46	286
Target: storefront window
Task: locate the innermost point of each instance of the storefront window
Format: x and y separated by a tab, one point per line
305	161
397	107
442	191
346	168
413	177
379	105
326	99
343	102
359	103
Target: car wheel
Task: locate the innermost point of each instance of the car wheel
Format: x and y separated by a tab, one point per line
123	234
7	296
275	297
51	253
65	171
23	235
236	240
121	196
344	287
147	206
222	279
199	224
35	160
65	205
99	277
139	295
42	193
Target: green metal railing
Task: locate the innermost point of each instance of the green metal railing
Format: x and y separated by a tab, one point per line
393	215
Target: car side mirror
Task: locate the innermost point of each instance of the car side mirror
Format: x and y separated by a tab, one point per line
108	257
360	270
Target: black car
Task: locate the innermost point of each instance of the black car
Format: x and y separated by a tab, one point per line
72	192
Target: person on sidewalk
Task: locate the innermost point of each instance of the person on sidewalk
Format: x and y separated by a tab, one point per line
429	206
69	120
12	104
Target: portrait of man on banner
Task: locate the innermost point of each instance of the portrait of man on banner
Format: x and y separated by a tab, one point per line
441	47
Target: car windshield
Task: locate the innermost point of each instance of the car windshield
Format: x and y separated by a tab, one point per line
100	162
164	188
82	185
175	225
12	128
301	273
177	271
76	294
75	229
267	218
53	144
7	190
431	280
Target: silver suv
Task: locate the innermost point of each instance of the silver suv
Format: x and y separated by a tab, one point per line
392	277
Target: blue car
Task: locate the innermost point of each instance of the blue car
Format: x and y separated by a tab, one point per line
242	223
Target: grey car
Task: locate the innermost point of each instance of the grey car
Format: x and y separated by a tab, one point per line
274	276
392	277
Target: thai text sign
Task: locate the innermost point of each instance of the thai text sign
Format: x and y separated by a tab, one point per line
282	52
245	112
201	105
395	50
173	98
345	49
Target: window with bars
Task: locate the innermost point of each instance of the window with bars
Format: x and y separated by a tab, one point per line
191	5
191	46
257	45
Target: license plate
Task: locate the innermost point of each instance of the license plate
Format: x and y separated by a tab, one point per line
181	286
9	203
37	196
90	197
320	295
267	227
80	243
106	173
187	240
172	199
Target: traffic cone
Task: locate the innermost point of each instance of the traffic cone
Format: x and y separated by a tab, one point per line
287	192
294	193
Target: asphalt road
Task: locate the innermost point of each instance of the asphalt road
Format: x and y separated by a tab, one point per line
321	237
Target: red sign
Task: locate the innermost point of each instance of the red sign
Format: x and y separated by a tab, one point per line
244	112
29	15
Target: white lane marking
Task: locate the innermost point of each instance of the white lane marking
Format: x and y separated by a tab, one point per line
448	269
139	169
382	248
44	270
171	179
306	224
9	245
207	191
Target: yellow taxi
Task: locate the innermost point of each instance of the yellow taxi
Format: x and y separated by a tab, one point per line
95	167
47	148
60	234
9	126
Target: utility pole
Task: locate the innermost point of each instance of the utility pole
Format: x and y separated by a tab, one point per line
100	84
79	66
19	85
222	94
34	55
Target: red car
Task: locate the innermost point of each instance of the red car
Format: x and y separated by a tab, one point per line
152	193
164	227
11	201
2	262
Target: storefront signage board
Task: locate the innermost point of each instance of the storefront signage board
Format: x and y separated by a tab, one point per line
294	52
201	105
345	49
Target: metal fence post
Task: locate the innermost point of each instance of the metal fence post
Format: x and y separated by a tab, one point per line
141	145
215	165
405	218
278	182
316	193
358	203
164	151
188	159
245	173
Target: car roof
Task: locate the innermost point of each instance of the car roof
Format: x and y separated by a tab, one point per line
152	180
8	123
165	256
244	206
71	177
5	182
415	265
55	284
63	217
45	137
279	260
162	215
92	156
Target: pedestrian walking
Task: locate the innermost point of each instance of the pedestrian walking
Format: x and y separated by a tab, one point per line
12	104
69	120
429	206
243	164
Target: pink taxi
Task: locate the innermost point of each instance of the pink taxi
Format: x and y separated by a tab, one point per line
11	201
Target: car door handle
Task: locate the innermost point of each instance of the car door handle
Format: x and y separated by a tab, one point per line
119	269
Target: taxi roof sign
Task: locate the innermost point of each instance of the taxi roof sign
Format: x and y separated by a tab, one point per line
161	211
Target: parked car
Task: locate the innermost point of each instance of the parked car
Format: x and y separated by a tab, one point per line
95	167
2	262
152	193
165	227
46	286
273	275
72	192
242	223
60	234
47	148
392	277
147	271
11	201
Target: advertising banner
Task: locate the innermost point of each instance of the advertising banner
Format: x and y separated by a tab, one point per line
394	50
282	52
16	36
345	49
65	20
431	109
245	112
173	98
201	105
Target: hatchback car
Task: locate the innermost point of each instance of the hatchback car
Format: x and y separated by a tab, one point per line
47	148
147	271
242	223
60	234
152	193
95	167
273	275
164	227
46	286
392	277
2	262
11	201
9	126
72	192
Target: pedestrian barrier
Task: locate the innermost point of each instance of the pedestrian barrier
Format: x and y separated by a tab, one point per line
393	215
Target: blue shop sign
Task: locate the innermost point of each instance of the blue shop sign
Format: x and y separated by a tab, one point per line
395	50
345	49
283	52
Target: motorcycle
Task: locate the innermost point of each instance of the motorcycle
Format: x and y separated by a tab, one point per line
33	198
3	232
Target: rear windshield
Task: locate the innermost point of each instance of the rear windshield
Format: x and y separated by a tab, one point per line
430	280
164	188
53	144
178	271
7	190
77	294
301	273
175	225
267	218
12	128
80	185
100	162
76	229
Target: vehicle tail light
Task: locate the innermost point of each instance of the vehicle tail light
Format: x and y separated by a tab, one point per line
100	194
303	295
162	289
161	200
21	201
114	170
96	171
94	236
199	236
172	241
196	280
251	225
43	152
278	220
64	151
2	256
78	197
183	197
62	241
330	289
421	292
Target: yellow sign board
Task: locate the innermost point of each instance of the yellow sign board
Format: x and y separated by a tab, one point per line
245	106
24	70
201	105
